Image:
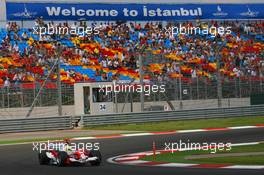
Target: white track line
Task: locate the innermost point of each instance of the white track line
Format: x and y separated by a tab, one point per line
181	165
242	127
254	167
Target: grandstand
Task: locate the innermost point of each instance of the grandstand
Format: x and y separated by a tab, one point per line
189	63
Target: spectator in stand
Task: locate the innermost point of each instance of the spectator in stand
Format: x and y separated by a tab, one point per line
7	84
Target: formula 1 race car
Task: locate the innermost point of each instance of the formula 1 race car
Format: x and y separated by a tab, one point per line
63	158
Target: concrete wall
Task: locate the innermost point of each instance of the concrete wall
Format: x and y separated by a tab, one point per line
50	111
189	104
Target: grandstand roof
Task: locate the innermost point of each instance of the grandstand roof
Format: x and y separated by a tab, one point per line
146	1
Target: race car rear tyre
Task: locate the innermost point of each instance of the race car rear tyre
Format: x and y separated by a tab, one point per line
97	154
62	157
43	158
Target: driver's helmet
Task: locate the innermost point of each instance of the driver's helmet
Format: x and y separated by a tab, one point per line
67	141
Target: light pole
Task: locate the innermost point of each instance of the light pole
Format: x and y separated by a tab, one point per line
180	88
41	88
59	80
219	78
141	82
142	94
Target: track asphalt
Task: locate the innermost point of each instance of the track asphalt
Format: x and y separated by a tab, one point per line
22	160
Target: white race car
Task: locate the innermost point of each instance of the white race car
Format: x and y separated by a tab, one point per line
63	158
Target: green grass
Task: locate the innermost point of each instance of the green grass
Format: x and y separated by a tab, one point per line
3	142
16	141
185	124
179	157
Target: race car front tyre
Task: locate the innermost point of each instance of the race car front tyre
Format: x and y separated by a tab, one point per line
43	158
62	157
97	154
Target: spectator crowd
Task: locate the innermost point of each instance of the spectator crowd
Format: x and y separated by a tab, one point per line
113	53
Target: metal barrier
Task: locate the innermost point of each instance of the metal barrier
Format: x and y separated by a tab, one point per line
126	118
35	124
66	122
